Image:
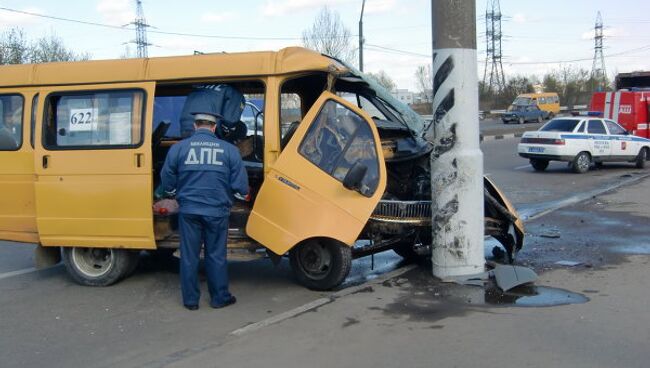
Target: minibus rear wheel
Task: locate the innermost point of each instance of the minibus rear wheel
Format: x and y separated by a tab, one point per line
320	263
98	266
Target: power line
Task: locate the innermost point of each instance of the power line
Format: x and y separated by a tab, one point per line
397	51
150	31
63	19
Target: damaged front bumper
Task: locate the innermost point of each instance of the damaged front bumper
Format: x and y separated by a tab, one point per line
395	220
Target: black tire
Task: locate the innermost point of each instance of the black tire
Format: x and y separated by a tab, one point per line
320	264
550	116
521	120
581	163
505	121
641	158
538	165
134	260
99	266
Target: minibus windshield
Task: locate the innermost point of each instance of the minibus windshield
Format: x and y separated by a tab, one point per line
409	117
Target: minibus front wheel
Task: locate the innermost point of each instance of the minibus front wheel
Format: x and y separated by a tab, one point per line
99	266
320	263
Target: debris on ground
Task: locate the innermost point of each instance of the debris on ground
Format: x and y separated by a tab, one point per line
568	263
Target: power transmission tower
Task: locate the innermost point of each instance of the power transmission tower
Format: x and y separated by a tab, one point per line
140	30
495	80
598	74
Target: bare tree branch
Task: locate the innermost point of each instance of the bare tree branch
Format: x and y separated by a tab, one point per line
328	35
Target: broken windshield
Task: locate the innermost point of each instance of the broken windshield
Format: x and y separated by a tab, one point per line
409	117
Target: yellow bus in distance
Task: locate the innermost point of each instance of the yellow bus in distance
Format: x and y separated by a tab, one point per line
546	101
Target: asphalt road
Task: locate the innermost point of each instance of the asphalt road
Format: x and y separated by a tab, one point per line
47	320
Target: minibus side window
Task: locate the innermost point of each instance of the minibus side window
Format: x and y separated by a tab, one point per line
339	138
97	119
11	122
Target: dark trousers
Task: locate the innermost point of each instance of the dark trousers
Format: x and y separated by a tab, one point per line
213	233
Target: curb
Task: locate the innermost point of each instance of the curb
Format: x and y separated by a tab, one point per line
485	138
575	199
319	302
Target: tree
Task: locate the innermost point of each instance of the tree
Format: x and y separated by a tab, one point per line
424	81
51	48
383	79
328	35
15	48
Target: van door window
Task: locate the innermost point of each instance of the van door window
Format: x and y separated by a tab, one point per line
33	120
337	140
11	122
290	115
94	119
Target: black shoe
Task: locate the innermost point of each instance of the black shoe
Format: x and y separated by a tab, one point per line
191	307
230	301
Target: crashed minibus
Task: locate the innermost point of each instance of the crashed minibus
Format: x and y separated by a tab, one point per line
338	168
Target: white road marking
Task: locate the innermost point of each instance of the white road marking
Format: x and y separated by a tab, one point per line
522	167
7	275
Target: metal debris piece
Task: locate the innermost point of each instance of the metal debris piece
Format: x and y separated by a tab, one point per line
568	263
508	277
552	234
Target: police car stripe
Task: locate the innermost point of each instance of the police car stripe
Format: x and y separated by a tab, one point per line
604	137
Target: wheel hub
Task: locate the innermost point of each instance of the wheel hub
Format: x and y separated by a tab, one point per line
92	262
315	260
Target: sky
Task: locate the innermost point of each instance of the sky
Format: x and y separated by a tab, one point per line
538	36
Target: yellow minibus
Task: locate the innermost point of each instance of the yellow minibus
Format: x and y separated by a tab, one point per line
546	101
82	145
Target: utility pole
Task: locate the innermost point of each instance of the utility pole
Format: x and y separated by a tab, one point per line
457	160
598	74
493	53
361	40
140	30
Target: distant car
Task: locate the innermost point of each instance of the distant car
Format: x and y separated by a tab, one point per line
524	113
582	141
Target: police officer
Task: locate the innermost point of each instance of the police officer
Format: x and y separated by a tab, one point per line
205	172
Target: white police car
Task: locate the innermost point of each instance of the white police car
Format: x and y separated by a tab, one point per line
582	141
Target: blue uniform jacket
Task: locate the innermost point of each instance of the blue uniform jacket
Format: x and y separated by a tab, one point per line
205	171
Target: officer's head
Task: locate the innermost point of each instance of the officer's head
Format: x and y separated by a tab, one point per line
205	120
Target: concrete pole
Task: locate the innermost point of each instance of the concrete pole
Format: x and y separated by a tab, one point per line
457	160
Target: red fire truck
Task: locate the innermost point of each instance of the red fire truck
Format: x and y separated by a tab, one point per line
629	105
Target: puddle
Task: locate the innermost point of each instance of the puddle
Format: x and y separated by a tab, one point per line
533	296
632	249
422	298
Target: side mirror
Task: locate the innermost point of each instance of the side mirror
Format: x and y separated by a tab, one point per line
355	176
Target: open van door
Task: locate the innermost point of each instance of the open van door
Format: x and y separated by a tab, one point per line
93	166
325	183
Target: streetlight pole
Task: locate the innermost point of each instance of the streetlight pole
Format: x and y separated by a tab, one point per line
457	160
361	40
